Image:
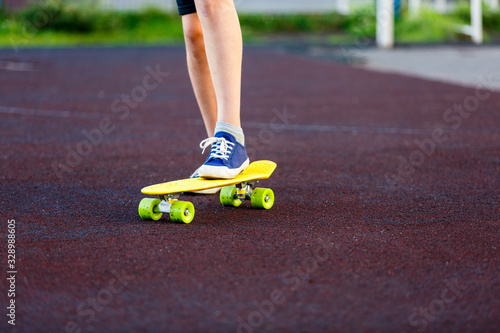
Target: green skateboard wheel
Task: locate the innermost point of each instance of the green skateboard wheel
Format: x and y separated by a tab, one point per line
147	209
262	198
228	196
182	211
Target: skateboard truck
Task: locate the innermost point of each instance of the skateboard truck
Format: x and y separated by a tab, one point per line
179	211
260	197
166	203
244	190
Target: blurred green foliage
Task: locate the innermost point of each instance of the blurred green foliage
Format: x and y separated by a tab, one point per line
88	16
329	22
76	17
63	22
362	22
53	22
491	18
428	27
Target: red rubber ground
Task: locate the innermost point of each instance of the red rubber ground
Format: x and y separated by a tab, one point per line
342	250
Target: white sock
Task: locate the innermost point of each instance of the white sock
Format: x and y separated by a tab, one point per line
236	131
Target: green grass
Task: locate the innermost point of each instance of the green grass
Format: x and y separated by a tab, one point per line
84	23
428	27
293	23
69	22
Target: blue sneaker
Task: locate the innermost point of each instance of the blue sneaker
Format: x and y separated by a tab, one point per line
227	157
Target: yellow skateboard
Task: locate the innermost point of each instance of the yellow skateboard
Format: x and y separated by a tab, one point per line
233	192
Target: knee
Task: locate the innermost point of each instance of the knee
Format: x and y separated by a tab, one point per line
193	35
208	7
205	7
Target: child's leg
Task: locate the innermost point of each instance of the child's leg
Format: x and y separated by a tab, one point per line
214	55
199	71
224	48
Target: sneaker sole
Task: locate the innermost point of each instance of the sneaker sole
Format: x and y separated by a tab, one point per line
210	172
208	191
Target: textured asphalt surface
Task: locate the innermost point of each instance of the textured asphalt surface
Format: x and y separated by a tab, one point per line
387	199
462	65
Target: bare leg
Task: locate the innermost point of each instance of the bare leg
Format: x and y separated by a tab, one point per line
199	71
224	49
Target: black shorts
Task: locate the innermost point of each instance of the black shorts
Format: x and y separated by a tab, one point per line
186	7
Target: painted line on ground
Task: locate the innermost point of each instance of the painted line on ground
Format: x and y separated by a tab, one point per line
328	128
338	129
250	124
51	113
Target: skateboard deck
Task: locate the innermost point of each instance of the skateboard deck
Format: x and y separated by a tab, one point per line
233	192
256	170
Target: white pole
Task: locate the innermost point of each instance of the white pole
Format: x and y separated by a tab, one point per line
494	5
414	7
476	20
343	6
440	6
385	23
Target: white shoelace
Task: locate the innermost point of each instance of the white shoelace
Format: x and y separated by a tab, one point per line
220	147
